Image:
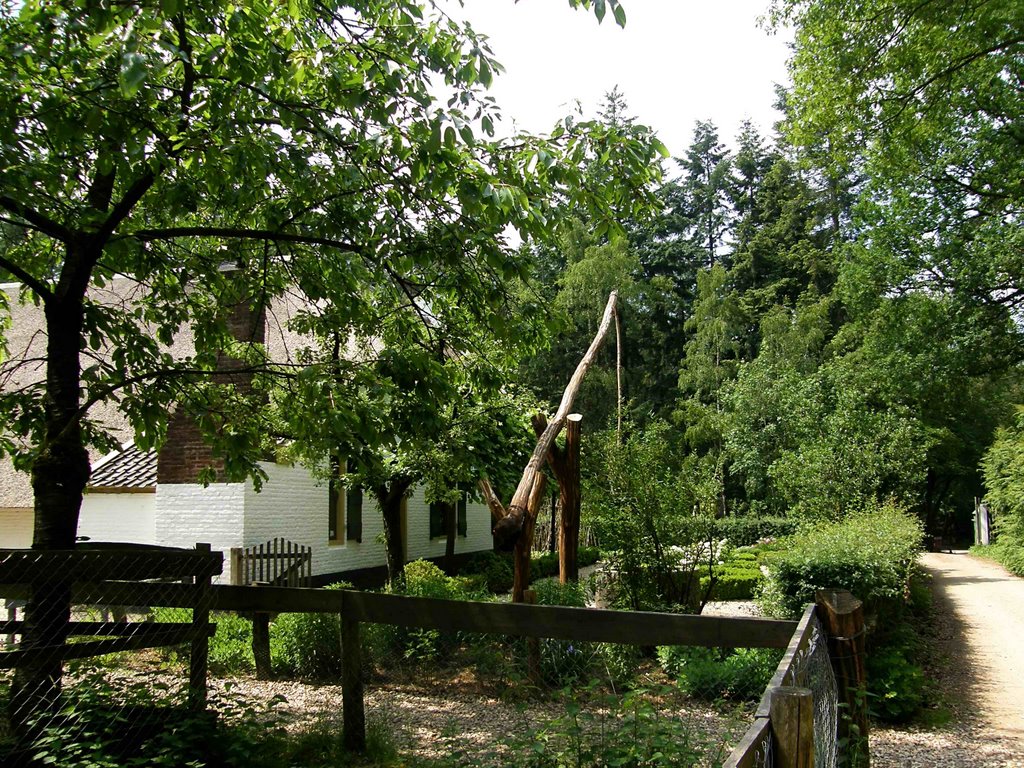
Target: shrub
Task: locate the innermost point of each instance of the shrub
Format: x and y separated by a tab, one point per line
870	554
495	567
713	674
307	644
423	578
231	646
895	681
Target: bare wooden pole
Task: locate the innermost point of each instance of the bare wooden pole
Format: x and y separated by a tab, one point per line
618	373
565	466
792	719
569	532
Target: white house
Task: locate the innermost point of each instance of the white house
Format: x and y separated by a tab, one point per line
152	498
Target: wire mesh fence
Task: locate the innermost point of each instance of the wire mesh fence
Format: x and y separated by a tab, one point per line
78	626
436	695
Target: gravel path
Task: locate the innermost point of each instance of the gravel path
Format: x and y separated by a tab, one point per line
979	616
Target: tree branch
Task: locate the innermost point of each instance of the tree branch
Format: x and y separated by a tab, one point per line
237	233
41	289
42	223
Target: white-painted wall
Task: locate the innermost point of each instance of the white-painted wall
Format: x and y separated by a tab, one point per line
16	528
189	513
127	517
292	506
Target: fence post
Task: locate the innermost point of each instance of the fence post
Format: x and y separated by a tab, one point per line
235	562
532	644
792	720
843	618
261	644
353	715
199	656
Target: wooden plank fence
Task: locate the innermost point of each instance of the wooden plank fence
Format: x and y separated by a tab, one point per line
766	743
279	562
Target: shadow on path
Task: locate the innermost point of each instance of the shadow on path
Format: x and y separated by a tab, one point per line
979	634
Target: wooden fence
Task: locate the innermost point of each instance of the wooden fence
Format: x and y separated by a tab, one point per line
769	742
798	724
89	571
279	562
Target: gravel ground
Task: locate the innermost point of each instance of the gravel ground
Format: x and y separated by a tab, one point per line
978	672
431	718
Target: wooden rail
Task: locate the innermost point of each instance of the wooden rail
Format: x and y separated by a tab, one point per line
355	608
99	574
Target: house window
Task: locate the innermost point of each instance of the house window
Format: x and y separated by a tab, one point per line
344	505
438	521
353	509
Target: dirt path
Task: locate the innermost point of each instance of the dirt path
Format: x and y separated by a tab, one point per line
980	626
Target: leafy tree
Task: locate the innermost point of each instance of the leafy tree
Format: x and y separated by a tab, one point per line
923	98
709	365
305	146
747	172
1004	480
302	143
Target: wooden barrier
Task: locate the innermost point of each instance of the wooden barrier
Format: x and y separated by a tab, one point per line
843	618
355	608
279	562
98	573
792	722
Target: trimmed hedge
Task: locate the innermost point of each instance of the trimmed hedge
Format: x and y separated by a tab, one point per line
870	554
733	584
496	568
740	531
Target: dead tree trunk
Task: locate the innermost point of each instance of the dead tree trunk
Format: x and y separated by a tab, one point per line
513	528
565	466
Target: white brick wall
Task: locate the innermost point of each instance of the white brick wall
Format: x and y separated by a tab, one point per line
119	517
291	505
16	528
188	513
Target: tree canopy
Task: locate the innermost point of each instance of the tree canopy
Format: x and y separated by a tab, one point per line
307	145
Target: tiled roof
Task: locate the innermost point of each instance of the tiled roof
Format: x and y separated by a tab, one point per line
126	468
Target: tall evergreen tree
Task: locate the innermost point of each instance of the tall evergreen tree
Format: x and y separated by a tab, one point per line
705	184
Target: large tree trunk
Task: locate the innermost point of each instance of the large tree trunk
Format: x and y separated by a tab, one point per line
390	497
59	474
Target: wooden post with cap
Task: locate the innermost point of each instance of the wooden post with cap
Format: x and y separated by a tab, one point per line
842	616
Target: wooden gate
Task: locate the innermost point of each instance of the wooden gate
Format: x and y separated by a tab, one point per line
279	562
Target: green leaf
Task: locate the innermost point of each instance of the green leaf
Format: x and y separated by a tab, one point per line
133	73
599	10
620	15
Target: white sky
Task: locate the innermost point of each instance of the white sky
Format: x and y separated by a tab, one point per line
676	61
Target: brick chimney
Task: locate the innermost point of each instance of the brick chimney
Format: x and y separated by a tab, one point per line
184	453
